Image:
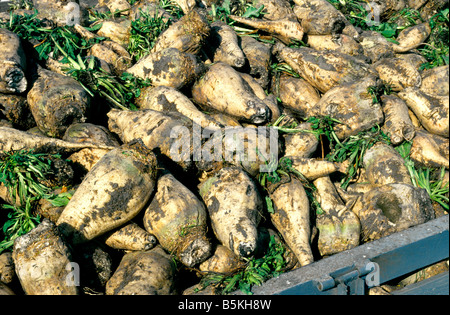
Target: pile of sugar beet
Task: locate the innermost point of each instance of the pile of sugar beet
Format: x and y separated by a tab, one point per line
145	215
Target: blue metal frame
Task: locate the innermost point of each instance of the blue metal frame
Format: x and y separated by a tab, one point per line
354	271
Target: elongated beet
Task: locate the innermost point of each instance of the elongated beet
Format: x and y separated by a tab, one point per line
397	123
340	42
276	9
178	219
430	150
339	228
130	237
144	272
42	262
254	150
111	194
313	168
291	217
296	94
375	46
112	53
223	89
435	81
384	165
392	208
89	133
323	69
223	45
7	272
319	17
13	64
258	55
398	73
117	31
337	233
168	133
412	37
222	261
351	104
16	110
167	99
169	67
269	99
234	206
431	110
301	144
56	101
286	29
13	139
187	34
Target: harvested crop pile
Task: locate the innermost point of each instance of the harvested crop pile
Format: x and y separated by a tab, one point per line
181	146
